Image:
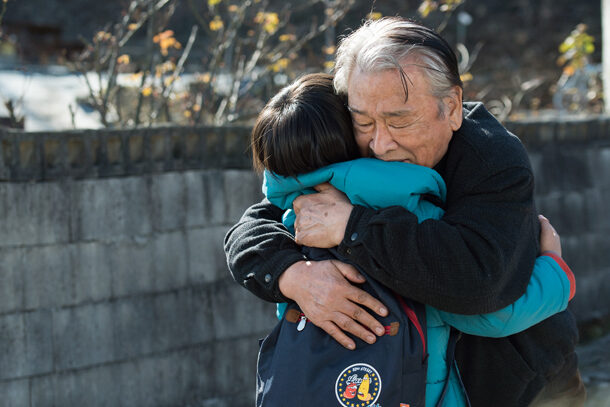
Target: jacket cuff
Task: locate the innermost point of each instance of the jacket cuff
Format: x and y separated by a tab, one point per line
565	268
269	275
355	229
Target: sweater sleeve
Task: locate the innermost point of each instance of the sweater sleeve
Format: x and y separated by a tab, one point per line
258	250
551	287
476	259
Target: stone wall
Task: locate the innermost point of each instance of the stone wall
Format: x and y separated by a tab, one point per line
571	162
113	284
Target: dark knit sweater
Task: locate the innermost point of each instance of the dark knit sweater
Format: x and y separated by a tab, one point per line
478	258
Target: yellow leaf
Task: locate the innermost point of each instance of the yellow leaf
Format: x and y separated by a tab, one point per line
132	26
196	108
465	77
205	78
123	59
135	76
328	65
280	65
187	113
233	8
329	50
147	91
216	24
374	15
212	3
569	70
426	7
163	36
287	37
168	81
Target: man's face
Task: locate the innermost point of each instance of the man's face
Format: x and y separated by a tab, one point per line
389	129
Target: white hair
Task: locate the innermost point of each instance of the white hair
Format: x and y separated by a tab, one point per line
388	43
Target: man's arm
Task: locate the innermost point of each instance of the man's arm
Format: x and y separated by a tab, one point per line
477	259
259	249
549	290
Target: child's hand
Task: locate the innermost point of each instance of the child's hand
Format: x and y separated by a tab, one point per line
549	239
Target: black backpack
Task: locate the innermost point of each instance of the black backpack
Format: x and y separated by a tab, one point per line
299	364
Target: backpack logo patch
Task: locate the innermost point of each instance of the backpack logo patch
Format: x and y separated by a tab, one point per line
358	385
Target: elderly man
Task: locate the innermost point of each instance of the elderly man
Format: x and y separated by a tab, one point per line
405	95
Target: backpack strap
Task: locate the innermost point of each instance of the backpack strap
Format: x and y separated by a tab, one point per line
454	337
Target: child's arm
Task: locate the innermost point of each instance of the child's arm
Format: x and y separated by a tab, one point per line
550	289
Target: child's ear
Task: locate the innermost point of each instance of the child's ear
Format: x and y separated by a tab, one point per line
454	108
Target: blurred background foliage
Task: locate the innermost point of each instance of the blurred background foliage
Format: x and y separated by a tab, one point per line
218	61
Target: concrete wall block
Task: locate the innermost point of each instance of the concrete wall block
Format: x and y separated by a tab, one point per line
12	347
550	206
206	254
574	168
12	293
237	372
83	336
132	266
91	273
596	209
99	209
173	321
168	195
134	323
166	380
38	328
106	209
170	260
15	393
214	203
195	209
128	386
599	160
591	300
574	211
34	213
238	313
598	245
43	389
138	207
89	387
47	276
242	189
576	255
202	317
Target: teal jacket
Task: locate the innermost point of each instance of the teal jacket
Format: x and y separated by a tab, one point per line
379	184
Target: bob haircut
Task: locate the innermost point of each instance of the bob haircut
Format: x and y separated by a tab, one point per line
304	127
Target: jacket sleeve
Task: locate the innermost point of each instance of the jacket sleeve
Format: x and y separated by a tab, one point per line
476	259
258	250
550	289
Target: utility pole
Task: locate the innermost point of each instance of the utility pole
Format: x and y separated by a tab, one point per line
606	53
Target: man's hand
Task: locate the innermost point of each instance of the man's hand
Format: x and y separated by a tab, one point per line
549	238
321	218
323	291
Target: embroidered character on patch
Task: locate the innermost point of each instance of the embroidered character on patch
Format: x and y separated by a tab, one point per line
358	385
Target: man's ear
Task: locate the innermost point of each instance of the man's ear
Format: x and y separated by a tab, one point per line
454	108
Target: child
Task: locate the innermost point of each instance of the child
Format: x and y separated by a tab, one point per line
303	137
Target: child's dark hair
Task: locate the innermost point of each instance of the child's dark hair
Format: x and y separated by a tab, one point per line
304	127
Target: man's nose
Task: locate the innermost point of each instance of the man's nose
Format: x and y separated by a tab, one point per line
382	141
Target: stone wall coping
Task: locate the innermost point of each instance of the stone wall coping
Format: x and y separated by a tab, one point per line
44	156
